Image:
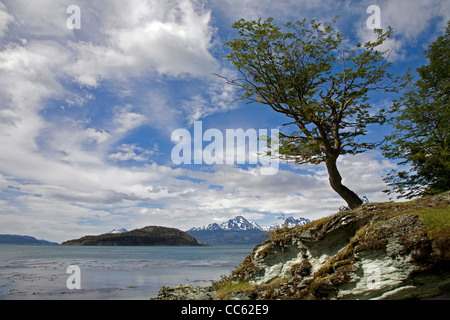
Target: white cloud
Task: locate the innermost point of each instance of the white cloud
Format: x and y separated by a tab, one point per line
28	77
31	71
40	17
132	152
410	18
288	192
217	97
125	120
170	38
5	20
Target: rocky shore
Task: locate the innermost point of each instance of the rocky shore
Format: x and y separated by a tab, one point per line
378	251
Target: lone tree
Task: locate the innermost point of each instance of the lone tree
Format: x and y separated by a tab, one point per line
307	73
421	139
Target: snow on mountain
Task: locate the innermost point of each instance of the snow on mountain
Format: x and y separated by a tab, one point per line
290	221
116	231
209	227
239	223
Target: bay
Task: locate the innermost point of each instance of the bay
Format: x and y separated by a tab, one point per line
40	272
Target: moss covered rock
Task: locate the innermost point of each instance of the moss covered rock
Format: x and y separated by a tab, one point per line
378	251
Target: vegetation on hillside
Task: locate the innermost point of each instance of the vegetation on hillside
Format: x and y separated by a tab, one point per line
420	228
148	236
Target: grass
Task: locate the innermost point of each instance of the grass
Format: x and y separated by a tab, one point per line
436	221
233	287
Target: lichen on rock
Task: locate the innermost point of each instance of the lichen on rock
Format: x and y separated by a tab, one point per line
378	251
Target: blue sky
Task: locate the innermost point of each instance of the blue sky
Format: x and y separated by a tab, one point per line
86	116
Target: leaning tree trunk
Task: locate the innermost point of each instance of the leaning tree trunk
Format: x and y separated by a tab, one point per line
348	195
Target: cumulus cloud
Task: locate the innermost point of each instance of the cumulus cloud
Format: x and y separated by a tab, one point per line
132	152
409	20
5	20
226	189
171	38
45	18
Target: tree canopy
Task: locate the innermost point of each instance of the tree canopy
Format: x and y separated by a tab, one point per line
421	128
307	72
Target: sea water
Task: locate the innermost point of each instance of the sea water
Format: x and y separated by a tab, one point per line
40	272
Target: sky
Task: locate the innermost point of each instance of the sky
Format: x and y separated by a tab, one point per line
87	113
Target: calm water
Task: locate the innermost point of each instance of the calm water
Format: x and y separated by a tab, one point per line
39	272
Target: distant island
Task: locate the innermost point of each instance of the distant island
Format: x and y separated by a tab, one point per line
148	236
24	240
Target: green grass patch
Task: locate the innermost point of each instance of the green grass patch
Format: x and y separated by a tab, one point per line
436	221
234	287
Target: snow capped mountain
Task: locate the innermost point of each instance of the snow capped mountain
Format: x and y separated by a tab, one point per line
209	227
297	222
290	221
239	223
116	231
238	231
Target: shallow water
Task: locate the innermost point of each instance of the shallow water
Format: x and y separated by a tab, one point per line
40	272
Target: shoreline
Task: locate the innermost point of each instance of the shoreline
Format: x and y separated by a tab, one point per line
110	273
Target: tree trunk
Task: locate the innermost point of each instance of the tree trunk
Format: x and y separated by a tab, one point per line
348	195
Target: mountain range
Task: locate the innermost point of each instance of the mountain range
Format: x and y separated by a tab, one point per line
24	240
239	223
238	231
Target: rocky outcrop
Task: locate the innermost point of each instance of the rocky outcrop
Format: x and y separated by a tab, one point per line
186	292
378	251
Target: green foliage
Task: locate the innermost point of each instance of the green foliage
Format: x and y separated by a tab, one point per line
322	85
233	287
225	281
421	137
